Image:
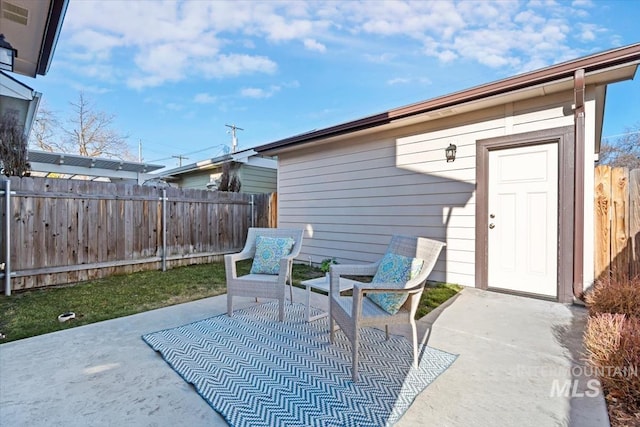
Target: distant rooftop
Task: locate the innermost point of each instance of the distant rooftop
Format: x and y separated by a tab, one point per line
73	166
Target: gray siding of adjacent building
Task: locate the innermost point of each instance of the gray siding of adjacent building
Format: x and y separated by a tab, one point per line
351	195
198	180
253	179
257	180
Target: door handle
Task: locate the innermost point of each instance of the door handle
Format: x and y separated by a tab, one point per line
492	226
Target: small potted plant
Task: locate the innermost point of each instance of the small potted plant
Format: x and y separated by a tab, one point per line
325	265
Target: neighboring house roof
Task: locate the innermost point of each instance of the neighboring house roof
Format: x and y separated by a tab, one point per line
249	157
32	28
70	166
601	68
16	97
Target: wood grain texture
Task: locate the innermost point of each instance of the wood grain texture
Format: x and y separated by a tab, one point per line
64	231
634	223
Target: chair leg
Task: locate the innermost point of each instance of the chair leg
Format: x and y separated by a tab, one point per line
414	336
291	290
386	330
281	309
332	326
354	357
229	305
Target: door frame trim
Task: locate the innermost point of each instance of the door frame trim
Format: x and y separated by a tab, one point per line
564	137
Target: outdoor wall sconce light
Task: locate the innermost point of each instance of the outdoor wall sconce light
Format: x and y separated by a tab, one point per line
7	54
451	152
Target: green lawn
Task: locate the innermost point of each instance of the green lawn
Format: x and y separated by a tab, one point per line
30	313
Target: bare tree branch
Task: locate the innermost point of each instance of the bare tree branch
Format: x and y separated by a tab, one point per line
624	151
88	132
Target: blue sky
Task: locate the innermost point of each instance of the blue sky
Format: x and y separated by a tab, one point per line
174	73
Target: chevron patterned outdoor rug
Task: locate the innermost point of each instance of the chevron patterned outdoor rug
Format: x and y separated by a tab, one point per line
256	371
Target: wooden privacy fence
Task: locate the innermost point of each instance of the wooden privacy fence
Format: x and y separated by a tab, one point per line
65	231
617	222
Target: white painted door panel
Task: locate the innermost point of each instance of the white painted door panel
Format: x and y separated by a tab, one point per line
523	219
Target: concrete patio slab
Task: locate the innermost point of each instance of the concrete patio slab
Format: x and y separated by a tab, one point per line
519	364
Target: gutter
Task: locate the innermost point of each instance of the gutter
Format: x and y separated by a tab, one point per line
57	11
579	159
567	70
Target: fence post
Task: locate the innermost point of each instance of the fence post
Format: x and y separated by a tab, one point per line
164	229
7	237
252	212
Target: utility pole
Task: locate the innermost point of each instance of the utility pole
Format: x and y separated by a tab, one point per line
234	138
139	151
180	159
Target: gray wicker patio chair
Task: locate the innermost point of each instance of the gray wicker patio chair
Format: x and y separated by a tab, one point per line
262	285
358	311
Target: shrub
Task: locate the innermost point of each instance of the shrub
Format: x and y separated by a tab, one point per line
612	342
325	265
621	295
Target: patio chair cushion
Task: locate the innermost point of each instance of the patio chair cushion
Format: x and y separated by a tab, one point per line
394	268
269	251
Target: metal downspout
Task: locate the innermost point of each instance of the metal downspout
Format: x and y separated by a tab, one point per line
579	163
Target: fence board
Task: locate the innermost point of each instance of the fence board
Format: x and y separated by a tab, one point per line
602	247
634	223
617	222
65	231
620	246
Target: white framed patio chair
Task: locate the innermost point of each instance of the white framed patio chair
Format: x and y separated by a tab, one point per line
273	251
393	295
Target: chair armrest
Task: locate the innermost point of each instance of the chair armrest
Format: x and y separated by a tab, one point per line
230	263
239	256
385	287
355	269
337	270
359	290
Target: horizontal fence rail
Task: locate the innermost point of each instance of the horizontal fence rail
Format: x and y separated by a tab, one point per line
65	231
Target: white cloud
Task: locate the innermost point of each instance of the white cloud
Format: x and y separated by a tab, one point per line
235	64
174	41
204	98
398	80
98	90
312	44
405	80
252	92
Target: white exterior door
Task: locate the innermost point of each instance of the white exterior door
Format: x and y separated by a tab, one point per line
523	219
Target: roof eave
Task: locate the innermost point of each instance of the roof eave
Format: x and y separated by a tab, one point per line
57	11
610	58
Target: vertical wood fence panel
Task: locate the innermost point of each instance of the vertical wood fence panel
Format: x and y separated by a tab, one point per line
65	231
617	222
634	224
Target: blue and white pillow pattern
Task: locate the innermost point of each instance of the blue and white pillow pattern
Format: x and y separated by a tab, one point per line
269	251
394	269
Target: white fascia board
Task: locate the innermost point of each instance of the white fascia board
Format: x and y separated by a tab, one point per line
80	170
251	157
31	112
15	89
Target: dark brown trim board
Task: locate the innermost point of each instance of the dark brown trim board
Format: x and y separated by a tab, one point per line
564	136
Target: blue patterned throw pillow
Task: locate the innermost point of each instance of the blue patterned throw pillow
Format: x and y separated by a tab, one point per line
394	269
269	251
